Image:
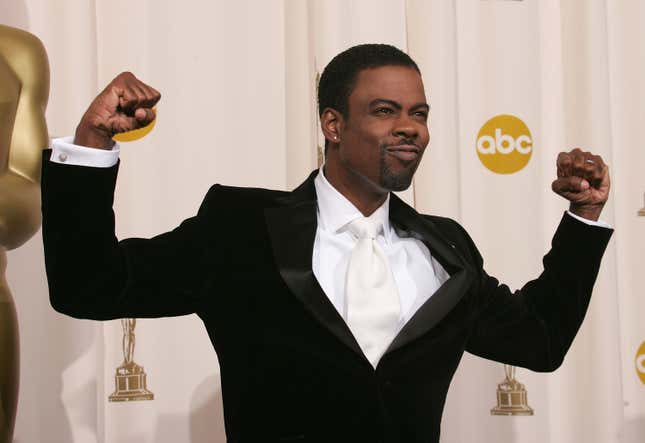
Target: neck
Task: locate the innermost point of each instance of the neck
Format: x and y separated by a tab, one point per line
357	189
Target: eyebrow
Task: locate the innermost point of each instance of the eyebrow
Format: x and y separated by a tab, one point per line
397	105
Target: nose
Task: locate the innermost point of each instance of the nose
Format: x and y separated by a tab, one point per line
405	127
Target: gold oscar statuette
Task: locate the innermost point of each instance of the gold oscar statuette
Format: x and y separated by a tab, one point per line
511	396
130	378
24	90
641	212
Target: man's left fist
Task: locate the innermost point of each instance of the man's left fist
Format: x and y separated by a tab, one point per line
583	179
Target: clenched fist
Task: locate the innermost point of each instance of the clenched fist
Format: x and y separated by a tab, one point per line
583	179
125	104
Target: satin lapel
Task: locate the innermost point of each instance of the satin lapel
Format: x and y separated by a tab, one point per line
452	290
292	230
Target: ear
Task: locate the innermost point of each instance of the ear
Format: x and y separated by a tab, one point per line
331	123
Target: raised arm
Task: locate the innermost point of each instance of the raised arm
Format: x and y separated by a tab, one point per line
90	273
535	326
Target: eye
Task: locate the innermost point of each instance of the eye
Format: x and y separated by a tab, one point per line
384	111
422	114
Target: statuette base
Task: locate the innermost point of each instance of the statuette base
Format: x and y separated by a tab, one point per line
130	381
511	400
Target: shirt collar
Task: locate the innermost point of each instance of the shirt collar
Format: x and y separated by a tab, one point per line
335	211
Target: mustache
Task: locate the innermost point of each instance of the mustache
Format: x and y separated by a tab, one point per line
403	141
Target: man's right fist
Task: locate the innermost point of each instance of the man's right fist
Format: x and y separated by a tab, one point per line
125	104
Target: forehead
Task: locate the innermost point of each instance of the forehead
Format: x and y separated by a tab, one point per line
399	83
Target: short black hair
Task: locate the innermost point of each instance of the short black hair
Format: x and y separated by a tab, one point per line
339	76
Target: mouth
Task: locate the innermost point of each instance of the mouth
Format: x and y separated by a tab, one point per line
405	153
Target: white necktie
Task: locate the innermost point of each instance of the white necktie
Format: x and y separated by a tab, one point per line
373	305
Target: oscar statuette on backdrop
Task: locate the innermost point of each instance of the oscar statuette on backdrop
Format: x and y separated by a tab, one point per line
24	90
130	378
511	396
641	212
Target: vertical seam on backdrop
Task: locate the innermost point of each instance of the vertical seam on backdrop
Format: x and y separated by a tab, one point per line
313	88
95	42
405	24
456	115
407	50
285	129
612	153
100	353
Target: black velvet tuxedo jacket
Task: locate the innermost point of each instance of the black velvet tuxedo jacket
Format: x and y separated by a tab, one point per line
290	368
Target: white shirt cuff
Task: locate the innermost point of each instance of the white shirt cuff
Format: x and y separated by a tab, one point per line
65	151
599	223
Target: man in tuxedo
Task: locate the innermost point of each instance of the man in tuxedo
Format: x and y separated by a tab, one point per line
338	313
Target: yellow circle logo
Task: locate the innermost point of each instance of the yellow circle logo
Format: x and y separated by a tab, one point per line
504	144
136	134
640	362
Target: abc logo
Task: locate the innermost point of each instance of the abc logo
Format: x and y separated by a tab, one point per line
504	144
640	362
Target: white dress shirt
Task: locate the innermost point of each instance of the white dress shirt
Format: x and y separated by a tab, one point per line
65	151
417	274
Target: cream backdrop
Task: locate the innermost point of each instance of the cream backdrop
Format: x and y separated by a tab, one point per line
238	84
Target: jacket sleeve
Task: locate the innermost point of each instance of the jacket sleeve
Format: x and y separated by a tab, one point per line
93	275
535	326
